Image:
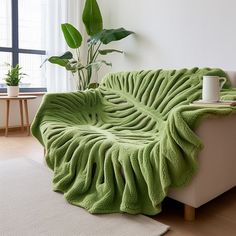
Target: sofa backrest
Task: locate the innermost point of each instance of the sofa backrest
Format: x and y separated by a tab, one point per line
159	90
232	77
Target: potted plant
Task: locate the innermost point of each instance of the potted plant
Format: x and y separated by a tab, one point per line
83	68
13	78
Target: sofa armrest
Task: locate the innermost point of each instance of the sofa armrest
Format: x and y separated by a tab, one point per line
58	107
217	162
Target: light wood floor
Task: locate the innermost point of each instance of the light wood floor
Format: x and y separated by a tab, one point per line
216	218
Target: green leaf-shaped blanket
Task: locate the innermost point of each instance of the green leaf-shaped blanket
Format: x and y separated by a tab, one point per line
118	148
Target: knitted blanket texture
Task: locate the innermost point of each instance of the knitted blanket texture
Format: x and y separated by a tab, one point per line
120	147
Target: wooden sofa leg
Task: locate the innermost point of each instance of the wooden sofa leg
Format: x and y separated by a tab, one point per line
189	213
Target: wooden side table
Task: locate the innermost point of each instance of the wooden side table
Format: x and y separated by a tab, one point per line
21	99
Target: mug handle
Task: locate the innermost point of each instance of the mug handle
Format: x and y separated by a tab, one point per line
222	80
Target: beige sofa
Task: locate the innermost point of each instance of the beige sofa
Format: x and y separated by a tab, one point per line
217	163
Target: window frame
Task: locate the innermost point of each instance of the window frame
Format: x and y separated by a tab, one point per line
15	50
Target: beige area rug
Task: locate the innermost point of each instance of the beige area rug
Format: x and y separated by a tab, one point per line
28	207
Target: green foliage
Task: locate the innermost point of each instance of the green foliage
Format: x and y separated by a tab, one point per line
72	61
107	36
92	17
61	60
14	75
72	35
108	51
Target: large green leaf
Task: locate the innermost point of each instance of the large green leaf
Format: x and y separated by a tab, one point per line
97	64
66	55
107	36
108	51
58	61
92	17
62	60
72	35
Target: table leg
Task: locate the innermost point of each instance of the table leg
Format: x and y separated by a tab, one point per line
21	115
7	116
27	117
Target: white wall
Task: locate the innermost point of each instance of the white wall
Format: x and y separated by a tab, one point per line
173	33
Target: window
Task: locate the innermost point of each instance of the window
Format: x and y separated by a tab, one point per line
22	41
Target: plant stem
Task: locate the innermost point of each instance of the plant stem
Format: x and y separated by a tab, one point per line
91	54
88	53
84	80
77	54
96	52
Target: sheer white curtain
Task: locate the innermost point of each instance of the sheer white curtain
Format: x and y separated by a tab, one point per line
58	12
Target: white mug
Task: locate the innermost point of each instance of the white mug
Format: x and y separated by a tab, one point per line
211	88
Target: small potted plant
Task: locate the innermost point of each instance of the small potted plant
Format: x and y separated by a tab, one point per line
13	78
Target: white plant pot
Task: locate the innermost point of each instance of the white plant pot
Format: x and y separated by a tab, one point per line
13	91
